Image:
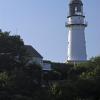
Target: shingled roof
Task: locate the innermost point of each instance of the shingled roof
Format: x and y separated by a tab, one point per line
32	52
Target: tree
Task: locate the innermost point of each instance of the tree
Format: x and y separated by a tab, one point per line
15	77
12	51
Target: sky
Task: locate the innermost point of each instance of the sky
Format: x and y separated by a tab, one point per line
41	23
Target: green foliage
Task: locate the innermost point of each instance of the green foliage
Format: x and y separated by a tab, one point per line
3	76
3	79
55	91
63	69
17	81
22	81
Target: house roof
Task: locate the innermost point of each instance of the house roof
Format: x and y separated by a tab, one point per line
46	61
32	52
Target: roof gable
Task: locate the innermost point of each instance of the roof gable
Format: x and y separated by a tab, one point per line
32	52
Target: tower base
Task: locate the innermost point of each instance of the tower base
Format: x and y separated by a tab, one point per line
75	61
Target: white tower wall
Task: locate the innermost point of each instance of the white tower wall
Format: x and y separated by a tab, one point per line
76	39
76	32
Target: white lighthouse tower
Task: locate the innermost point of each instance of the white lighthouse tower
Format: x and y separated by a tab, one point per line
76	36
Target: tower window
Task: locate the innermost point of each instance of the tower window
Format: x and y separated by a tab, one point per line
78	11
75	9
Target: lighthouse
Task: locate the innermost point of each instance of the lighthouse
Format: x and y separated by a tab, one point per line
76	25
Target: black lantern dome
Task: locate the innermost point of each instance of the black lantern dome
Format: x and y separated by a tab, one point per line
76	1
75	8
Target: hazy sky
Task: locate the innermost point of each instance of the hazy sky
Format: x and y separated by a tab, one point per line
41	23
